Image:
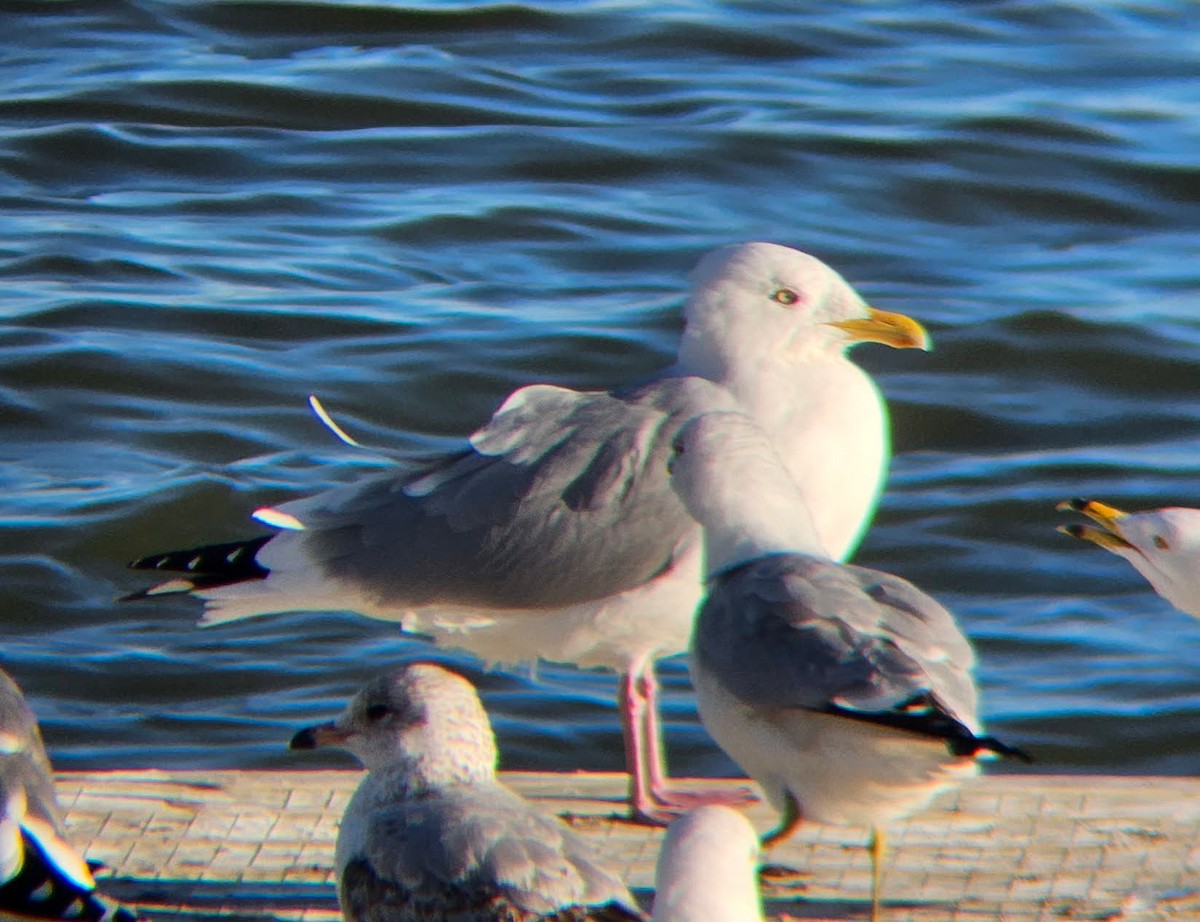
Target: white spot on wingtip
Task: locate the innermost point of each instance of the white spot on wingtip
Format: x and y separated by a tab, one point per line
277	519
170	586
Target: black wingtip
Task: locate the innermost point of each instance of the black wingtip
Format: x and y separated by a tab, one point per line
231	558
207	567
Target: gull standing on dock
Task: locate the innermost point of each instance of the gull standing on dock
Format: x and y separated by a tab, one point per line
846	693
555	534
430	833
41	875
1162	544
708	869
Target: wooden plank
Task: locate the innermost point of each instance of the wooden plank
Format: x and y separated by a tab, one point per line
259	845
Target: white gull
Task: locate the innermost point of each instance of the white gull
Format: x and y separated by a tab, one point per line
555	533
846	693
1162	544
707	869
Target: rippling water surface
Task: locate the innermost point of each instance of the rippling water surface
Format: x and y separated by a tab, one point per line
209	210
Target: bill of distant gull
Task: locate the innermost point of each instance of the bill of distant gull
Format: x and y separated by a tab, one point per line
41	875
1162	544
555	534
847	693
430	833
707	869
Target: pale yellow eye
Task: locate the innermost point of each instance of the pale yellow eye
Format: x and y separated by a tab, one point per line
785	296
1161	543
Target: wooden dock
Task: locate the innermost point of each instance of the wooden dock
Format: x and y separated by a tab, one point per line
259	845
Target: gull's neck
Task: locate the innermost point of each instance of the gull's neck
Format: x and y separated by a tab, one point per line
751	510
825	418
776	383
759	533
418	775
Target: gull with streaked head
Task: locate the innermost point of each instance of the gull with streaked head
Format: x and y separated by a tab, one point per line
431	833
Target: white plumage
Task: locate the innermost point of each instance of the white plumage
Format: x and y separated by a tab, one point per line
1162	544
846	693
707	869
555	533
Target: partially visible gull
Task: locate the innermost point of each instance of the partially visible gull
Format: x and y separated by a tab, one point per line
1162	544
555	533
430	833
41	875
708	869
846	693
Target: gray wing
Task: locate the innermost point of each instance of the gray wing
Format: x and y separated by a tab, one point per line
562	498
792	631
49	879
28	766
478	852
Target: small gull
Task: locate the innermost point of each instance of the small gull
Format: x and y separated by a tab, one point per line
430	833
555	534
708	869
1162	544
41	875
846	693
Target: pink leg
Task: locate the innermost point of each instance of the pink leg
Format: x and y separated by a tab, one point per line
632	705
650	796
656	758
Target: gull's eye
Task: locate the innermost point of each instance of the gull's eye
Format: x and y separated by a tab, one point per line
785	296
378	712
1161	543
676	451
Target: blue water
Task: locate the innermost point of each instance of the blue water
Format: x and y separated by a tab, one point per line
209	210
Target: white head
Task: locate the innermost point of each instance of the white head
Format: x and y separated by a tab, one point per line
734	484
1162	544
422	720
761	302
708	869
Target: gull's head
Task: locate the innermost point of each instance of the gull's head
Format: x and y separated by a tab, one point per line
757	301
729	476
1162	544
717	457
421	719
708	869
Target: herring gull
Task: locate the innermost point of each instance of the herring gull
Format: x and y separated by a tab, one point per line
555	534
430	833
1162	544
845	692
707	869
41	875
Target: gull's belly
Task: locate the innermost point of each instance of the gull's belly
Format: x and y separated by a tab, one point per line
621	632
841	771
